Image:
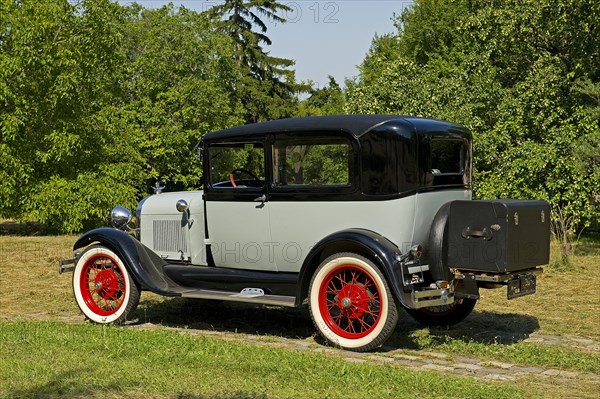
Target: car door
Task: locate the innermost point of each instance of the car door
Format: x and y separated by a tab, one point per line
237	213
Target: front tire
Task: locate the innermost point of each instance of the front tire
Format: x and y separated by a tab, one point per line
103	288
351	304
445	315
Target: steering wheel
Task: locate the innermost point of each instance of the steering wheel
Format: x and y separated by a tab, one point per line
237	173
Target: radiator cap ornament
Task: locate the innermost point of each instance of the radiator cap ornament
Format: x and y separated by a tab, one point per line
158	188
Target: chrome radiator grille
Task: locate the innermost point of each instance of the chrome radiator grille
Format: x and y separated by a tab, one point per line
169	236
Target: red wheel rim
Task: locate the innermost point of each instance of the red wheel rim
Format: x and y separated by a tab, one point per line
350	302
102	285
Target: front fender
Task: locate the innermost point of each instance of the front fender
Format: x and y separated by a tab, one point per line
376	247
141	262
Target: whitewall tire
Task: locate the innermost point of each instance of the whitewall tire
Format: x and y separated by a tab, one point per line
103	288
351	303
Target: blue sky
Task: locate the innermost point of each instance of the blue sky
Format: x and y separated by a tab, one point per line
323	37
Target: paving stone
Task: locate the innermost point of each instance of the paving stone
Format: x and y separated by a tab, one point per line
409	363
568	374
437	367
499	364
468	360
408	357
434	354
549	339
439	361
466	366
581	340
381	358
496	371
462	372
498	377
551	372
527	369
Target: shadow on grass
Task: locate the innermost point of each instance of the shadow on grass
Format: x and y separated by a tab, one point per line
479	327
67	385
11	228
295	323
75	384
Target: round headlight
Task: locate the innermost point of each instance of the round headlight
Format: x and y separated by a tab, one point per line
120	217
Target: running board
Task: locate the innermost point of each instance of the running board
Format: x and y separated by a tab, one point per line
248	297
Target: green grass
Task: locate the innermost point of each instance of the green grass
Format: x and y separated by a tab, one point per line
546	356
50	359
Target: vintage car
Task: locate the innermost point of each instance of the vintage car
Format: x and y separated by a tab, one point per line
356	216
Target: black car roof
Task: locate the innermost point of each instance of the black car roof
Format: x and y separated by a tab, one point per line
357	125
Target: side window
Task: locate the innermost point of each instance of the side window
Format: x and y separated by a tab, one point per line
237	166
298	163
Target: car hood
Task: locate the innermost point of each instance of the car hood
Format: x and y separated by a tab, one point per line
164	203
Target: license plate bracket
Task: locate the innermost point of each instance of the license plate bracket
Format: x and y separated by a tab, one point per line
525	285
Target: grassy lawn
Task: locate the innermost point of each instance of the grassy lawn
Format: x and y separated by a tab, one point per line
45	358
41	358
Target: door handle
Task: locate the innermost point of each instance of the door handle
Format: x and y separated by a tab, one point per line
470	233
262	198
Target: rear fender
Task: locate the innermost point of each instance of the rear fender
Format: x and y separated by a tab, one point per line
141	262
364	242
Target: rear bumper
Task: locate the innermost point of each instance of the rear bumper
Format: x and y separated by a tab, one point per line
519	283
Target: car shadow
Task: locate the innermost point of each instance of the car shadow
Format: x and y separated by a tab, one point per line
295	323
482	327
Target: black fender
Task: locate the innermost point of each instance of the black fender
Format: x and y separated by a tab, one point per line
145	266
364	242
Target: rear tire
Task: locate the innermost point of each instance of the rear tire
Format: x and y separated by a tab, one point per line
351	304
103	288
446	315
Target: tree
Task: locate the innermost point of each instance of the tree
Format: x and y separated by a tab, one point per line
98	101
266	87
60	67
326	101
181	84
521	75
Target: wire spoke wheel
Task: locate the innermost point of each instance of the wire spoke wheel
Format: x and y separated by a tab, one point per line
350	302
103	285
103	288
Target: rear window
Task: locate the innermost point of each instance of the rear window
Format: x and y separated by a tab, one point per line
447	162
447	156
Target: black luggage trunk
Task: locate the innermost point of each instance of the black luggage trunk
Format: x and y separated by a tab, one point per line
498	236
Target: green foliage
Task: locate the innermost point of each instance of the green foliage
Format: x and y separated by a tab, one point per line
60	69
266	86
522	75
326	101
99	100
180	86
